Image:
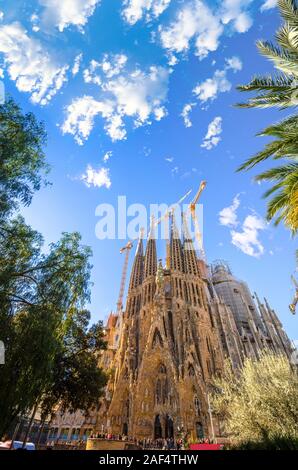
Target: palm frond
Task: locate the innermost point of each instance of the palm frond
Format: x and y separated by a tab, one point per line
287	128
279	83
280	99
281	208
287	37
276	83
289	11
277	203
283	60
278	173
279	91
272	190
269	150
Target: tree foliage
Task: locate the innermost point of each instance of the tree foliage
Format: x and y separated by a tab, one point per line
50	349
280	91
22	159
261	403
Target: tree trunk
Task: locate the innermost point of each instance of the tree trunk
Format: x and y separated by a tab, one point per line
40	431
16	430
30	425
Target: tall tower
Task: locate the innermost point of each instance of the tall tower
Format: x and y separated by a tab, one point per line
235	294
259	328
169	348
276	337
178	326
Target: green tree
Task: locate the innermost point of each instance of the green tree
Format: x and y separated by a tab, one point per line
279	91
22	159
259	404
77	379
50	350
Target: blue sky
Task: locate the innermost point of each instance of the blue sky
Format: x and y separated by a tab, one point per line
150	86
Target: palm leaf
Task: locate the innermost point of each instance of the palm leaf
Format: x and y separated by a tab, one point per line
289	11
278	173
279	91
281	99
277	203
287	128
276	83
287	37
269	150
283	60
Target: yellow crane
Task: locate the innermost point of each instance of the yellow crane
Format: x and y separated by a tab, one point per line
125	249
293	305
172	207
192	209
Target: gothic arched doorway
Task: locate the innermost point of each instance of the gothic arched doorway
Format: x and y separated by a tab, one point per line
125	429
199	431
157	428
169	427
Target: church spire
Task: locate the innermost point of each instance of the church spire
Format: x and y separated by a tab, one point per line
151	255
190	257
137	271
272	314
176	255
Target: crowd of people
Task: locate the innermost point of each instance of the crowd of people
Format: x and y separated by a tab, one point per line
165	444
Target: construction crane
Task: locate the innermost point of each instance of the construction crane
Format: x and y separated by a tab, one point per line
125	249
192	209
172	207
293	305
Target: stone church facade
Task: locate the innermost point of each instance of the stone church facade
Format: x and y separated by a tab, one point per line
180	323
175	333
169	347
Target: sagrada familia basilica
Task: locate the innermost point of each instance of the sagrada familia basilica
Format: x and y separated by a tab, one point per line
182	319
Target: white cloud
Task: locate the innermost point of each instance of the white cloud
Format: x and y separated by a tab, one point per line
1	15
63	13
77	64
147	151
169	159
234	63
233	11
228	215
96	178
136	94
247	240
197	23
35	22
175	170
139	94
186	112
172	60
107	156
135	9
30	65
81	114
210	88
268	4
90	73
212	138
219	83
110	66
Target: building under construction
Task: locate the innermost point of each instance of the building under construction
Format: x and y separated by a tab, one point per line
179	323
